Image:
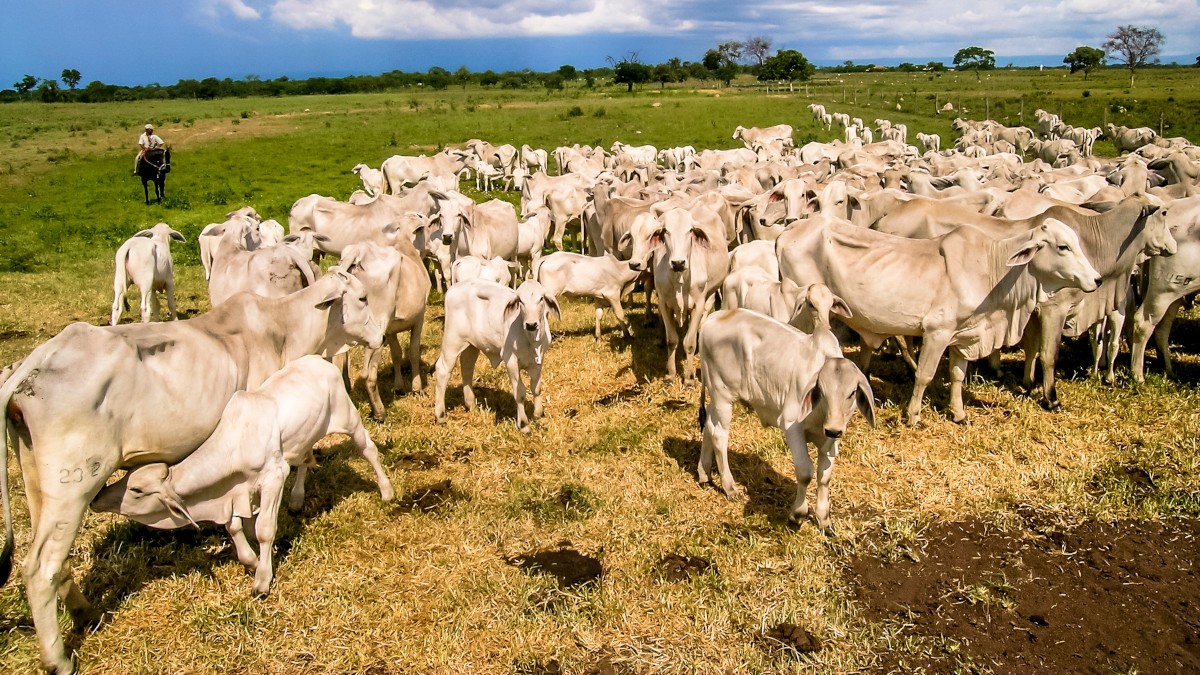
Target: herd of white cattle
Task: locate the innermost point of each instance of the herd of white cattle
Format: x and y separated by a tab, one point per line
972	249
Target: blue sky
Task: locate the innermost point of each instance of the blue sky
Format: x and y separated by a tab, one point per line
130	43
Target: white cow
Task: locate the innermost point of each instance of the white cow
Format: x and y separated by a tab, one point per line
495	269
94	399
688	270
964	291
145	259
604	279
271	272
236	477
810	396
398	290
372	179
508	327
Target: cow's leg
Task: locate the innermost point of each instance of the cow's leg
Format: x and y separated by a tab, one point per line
599	313
691	340
1031	344
371	358
245	554
931	355
1162	337
45	572
146	304
716	442
958	375
342	362
414	354
672	333
266	524
1051	340
535	388
1112	343
347	421
827	449
170	289
518	389
619	312
118	305
466	364
1145	320
870	344
296	500
798	445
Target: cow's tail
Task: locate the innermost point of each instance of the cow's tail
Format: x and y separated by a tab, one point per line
120	278
10	377
703	414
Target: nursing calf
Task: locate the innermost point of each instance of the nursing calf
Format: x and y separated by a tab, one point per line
236	477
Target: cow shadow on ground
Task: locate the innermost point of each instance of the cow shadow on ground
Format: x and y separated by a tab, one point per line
499	401
130	555
768	492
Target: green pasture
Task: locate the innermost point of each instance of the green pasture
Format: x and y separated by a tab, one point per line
422	586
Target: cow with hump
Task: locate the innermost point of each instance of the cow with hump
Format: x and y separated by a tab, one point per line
236	477
92	400
963	291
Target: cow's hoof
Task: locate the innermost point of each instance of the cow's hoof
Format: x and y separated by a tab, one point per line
1051	406
963	421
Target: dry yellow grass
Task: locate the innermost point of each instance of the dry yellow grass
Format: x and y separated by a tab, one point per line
422	585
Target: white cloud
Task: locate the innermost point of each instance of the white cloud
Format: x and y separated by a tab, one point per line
214	9
820	28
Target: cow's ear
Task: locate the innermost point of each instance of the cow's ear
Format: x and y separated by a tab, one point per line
291	238
811	397
625	240
511	310
552	303
178	236
865	400
143	233
335	291
1024	254
841	308
700	237
174	504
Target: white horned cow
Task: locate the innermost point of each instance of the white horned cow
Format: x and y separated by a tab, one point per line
604	278
372	179
690	264
236	477
397	287
94	399
810	396
145	259
509	327
273	271
964	291
752	135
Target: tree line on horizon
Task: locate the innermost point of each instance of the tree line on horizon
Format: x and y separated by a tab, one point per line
1132	47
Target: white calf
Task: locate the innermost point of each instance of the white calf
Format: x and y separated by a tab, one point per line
604	279
237	475
508	326
145	259
810	396
469	267
372	179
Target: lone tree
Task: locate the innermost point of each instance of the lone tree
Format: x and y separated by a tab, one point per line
629	71
25	85
722	61
71	77
757	48
1134	46
976	59
789	65
1084	58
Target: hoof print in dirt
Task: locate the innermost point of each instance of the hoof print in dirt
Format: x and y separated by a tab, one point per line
570	567
675	567
429	498
790	636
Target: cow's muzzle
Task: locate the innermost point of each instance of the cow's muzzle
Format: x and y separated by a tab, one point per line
834	433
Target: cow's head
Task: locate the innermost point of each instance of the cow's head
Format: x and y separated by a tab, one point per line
841	390
145	494
530	310
678	234
351	318
1056	259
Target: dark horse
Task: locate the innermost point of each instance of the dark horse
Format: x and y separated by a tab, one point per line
154	167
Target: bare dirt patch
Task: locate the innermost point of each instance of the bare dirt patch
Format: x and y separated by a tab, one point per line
676	567
1093	598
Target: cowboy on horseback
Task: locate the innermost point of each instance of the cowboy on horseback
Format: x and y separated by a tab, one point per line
146	141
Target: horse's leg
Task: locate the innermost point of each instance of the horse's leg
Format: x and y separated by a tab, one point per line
146	189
